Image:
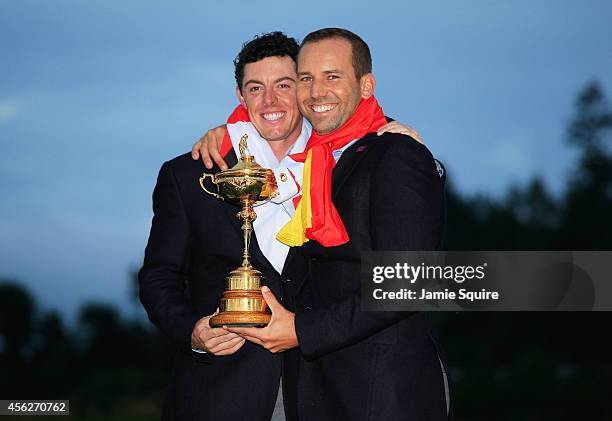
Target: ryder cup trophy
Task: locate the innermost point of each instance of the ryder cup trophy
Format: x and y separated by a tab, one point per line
246	184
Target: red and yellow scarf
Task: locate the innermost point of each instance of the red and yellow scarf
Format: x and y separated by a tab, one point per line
316	217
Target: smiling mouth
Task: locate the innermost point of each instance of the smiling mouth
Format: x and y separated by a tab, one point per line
322	108
273	116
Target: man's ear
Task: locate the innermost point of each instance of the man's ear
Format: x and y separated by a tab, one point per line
240	97
367	83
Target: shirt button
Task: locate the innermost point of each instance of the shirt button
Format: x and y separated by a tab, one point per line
283	177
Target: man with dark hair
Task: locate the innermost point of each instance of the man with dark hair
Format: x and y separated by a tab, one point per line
196	240
388	195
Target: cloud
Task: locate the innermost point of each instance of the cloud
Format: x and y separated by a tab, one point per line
8	110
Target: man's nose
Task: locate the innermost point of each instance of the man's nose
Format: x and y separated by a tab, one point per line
317	89
270	97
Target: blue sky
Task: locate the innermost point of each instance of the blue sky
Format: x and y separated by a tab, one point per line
95	95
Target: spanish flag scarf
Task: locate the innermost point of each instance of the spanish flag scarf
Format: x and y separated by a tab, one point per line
316	217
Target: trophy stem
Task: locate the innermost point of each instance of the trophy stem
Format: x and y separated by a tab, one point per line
246	215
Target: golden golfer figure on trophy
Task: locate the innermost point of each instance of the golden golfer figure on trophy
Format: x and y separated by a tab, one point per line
246	184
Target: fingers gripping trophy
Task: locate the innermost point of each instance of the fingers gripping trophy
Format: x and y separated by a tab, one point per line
246	184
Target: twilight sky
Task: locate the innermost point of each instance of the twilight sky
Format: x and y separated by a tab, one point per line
95	95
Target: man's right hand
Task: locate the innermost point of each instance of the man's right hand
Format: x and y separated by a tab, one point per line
209	146
214	340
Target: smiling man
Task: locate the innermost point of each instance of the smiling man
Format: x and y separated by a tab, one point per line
345	363
196	240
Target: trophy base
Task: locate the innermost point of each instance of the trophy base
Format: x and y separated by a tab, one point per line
240	319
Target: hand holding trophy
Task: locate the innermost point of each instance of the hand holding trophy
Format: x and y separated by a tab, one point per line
246	184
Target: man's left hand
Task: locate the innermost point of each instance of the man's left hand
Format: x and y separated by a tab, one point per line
279	335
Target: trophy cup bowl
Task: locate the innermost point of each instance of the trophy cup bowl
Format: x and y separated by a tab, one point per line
246	184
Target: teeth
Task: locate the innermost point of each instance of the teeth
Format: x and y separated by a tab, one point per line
273	116
323	108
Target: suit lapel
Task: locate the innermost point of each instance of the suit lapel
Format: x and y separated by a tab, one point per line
348	161
257	255
293	251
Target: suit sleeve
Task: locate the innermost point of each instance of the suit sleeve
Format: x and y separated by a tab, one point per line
162	277
406	208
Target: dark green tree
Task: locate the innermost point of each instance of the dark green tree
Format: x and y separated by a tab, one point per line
16	319
588	202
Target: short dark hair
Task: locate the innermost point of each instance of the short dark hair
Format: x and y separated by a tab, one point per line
362	59
271	44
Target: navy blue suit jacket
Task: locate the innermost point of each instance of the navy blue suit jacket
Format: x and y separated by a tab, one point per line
195	241
360	365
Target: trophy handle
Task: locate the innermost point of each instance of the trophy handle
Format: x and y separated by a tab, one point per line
212	179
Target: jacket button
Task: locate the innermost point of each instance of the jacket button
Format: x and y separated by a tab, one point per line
285	280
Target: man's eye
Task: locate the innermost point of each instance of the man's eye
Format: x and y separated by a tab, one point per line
332	77
255	89
284	86
305	79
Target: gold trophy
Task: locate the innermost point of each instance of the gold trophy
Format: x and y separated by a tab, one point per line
246	184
